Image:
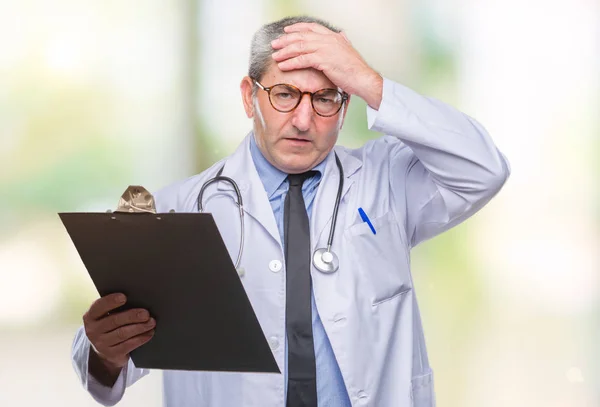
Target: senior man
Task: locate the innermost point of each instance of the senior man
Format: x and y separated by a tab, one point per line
345	328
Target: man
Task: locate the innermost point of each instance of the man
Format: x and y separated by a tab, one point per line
350	336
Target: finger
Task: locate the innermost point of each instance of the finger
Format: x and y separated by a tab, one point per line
124	348
314	27
112	322
124	333
295	49
300	62
287	39
103	305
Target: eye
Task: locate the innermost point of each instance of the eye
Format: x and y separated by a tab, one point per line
284	93
325	100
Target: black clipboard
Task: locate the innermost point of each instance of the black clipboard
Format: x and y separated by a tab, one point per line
175	265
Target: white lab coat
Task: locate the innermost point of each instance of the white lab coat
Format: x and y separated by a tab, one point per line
434	168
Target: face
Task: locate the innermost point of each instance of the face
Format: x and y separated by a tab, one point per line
296	141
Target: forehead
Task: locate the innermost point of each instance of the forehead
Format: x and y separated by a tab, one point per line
308	79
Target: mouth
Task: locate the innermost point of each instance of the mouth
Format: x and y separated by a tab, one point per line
298	139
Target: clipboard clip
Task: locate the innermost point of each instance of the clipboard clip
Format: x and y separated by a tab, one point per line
136	199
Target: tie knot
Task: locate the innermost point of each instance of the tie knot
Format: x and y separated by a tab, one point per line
298	179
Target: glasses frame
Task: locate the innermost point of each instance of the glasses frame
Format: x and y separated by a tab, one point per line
312	94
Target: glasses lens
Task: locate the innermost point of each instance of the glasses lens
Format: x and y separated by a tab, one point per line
327	101
284	97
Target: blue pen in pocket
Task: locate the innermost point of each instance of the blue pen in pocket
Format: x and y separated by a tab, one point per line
366	219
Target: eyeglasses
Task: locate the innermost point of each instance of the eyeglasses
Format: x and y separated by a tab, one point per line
285	98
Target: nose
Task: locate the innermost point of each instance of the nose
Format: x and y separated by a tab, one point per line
303	114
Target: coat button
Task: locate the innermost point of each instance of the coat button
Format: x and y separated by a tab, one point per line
274	342
275	266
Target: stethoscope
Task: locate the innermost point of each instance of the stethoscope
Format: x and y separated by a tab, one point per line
324	259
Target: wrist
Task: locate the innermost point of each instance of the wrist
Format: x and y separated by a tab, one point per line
373	90
102	369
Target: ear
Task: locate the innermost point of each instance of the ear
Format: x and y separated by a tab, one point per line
345	110
246	89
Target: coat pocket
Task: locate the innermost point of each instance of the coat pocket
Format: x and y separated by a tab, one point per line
421	391
380	260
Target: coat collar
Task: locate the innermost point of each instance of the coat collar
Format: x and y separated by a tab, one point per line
240	167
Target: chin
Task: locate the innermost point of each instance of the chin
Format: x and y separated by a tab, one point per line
295	165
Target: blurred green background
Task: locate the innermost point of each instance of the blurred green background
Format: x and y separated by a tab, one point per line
98	95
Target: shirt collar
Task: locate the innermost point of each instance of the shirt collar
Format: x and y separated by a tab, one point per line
271	177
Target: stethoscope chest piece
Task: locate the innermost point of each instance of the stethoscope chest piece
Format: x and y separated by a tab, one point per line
325	261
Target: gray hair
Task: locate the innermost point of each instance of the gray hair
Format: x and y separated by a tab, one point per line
261	50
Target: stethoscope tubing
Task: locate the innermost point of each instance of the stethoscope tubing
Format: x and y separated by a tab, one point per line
240	205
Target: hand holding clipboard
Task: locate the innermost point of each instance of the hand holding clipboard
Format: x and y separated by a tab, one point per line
176	267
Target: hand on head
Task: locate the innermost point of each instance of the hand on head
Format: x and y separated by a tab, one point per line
310	45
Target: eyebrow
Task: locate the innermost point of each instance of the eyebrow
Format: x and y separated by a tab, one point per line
303	89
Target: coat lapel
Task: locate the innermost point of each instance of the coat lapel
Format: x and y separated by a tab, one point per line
240	167
323	207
